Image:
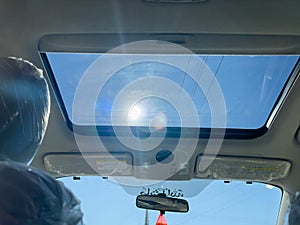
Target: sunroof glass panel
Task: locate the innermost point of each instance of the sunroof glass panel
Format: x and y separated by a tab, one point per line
170	90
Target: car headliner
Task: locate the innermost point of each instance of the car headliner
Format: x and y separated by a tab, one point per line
230	26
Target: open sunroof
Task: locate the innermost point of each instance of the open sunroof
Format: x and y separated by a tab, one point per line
215	91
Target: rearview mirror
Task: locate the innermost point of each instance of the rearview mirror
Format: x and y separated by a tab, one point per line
162	203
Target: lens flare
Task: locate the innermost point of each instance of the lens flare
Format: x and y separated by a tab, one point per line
159	122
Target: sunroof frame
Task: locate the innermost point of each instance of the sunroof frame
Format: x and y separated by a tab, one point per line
172	132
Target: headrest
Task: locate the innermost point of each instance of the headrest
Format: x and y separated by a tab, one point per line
24	109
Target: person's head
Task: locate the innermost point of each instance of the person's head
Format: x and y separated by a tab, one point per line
24	109
31	197
27	195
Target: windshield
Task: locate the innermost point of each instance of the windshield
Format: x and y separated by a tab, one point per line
211	202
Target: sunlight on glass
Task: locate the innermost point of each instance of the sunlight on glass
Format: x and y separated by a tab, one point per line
269	186
250	85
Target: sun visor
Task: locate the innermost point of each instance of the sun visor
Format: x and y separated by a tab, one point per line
104	164
241	168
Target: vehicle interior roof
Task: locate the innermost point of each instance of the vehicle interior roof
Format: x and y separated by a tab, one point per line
24	23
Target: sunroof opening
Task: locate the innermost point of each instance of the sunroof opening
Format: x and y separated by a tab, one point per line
217	91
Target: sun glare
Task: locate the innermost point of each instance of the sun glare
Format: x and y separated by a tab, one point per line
135	113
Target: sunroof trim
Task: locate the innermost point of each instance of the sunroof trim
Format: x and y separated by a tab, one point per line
203	43
282	97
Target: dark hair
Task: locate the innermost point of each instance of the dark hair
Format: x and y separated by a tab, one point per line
31	197
24	109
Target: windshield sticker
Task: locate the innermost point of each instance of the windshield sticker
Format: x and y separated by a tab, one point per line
168	192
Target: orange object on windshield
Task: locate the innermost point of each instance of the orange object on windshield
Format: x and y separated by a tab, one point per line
161	219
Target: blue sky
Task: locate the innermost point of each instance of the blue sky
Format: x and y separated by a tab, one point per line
237	203
250	86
